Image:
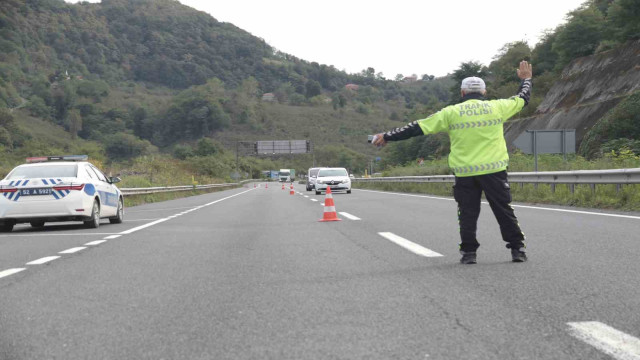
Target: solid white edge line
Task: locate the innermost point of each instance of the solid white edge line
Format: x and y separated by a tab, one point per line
349	216
72	250
411	246
516	206
97	242
43	260
10	272
610	341
112	237
126	232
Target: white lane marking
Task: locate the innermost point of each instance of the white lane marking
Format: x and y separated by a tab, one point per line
10	272
112	237
307	196
43	260
610	341
72	250
410	195
349	216
518	206
411	246
126	232
314	200
97	242
177	208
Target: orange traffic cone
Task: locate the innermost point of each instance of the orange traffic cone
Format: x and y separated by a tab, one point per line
329	208
266	186
254	185
291	192
282	186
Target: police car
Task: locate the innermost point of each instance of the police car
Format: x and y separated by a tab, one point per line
59	188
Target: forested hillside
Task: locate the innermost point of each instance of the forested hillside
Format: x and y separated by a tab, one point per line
124	79
141	76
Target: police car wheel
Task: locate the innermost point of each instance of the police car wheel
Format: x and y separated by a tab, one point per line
37	224
348	191
6	227
94	222
120	214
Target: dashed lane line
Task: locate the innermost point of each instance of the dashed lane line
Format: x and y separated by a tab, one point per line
72	250
610	341
43	260
349	216
97	242
10	272
411	246
314	200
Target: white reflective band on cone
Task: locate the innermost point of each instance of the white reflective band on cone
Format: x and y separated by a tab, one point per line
329	209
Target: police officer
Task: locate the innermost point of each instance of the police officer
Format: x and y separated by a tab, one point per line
478	158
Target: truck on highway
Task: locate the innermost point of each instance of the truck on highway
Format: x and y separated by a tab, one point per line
287	175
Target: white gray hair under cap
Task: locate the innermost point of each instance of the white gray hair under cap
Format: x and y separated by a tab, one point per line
472	84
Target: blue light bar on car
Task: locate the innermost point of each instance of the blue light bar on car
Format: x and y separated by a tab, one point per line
58	158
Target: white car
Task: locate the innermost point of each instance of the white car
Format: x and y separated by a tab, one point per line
59	188
335	178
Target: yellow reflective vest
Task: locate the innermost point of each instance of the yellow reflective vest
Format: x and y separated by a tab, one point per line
477	137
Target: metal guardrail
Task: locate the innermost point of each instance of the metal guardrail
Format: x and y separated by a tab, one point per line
614	176
588	177
161	189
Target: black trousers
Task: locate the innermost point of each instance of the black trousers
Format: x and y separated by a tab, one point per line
468	191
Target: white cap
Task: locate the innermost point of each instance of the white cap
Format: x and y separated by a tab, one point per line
472	84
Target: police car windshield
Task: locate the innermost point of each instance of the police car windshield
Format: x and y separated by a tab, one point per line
332	172
45	172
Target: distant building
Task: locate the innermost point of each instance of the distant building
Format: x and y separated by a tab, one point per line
353	87
410	79
268	97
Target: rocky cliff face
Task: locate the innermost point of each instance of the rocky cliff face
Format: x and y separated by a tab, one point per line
587	89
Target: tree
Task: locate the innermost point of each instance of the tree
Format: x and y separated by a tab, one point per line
399	77
75	123
504	63
313	88
125	146
580	36
466	69
624	19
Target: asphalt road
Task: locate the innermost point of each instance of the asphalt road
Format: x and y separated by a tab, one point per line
252	274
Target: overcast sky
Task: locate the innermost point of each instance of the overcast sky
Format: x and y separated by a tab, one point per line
394	37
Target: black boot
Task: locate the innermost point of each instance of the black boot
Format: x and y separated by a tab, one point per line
518	255
468	258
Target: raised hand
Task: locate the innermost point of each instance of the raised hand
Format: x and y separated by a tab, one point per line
525	71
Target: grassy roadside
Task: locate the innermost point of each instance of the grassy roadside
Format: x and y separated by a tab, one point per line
134	200
604	197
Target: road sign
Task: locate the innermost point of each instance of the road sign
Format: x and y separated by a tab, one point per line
536	142
283	147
